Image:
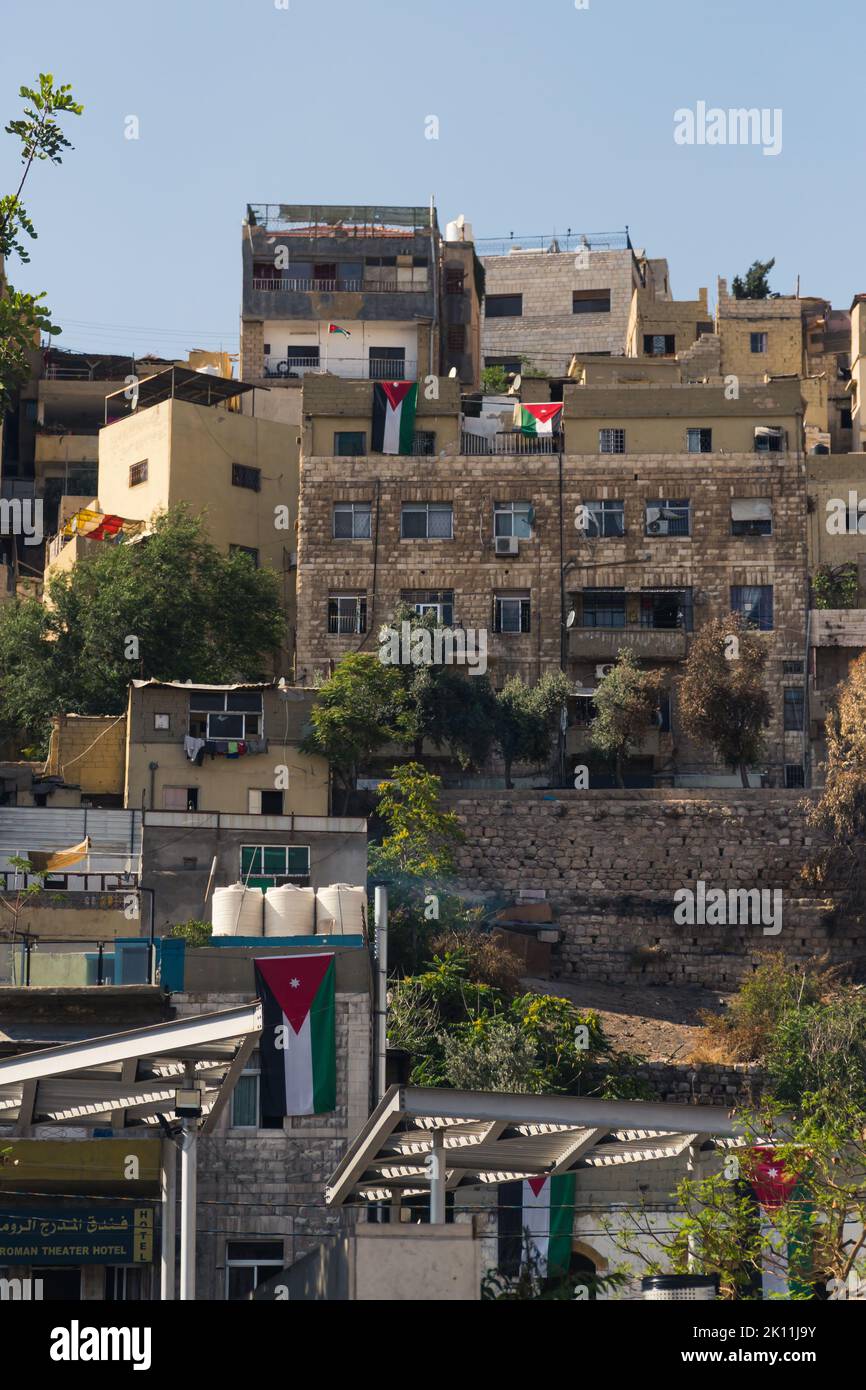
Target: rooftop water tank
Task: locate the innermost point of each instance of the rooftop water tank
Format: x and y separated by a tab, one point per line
340	910
290	911
237	911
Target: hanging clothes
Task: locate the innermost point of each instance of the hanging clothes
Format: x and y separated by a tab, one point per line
192	747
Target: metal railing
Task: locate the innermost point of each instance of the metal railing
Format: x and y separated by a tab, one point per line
281	284
554	241
74	962
510	442
344	624
351	368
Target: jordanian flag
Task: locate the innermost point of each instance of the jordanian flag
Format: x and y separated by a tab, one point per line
786	1258
298	1044
537	419
335	328
394	404
536	1215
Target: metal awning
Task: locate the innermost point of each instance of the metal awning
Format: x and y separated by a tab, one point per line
130	1078
173	383
490	1137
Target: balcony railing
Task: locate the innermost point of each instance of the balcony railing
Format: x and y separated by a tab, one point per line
75	961
604	644
511	442
276	284
350	368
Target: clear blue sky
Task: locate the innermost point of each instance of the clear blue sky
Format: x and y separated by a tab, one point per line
549	117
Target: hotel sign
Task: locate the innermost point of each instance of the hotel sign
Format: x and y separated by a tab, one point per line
72	1236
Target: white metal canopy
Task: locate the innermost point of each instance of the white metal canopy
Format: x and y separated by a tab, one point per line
130	1077
489	1137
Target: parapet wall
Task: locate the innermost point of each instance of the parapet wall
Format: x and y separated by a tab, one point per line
610	863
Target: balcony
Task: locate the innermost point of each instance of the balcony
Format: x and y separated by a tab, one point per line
349	368
285	284
604	644
510	442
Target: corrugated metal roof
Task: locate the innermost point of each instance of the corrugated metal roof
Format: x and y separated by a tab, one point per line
114	835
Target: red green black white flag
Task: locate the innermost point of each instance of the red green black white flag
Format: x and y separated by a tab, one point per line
335	328
394	405
536	1218
543	418
298	1044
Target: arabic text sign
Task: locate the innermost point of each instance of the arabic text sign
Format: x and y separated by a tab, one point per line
67	1236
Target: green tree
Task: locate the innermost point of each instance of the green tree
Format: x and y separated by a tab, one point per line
527	719
722	700
626	701
24	316
171	608
359	708
754	284
840	813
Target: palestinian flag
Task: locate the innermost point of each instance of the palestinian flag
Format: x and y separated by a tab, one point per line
394	404
537	1214
786	1258
538	419
335	328
298	1044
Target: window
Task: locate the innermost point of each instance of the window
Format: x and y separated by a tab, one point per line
513	519
235	714
246	1102
180	798
162	721
264	803
123	1283
659	344
769	439
666	608
454	279
424	443
751	516
668	517
249	551
245	476
347	613
793	709
755	603
503	306
267	866
427	521
792	668
138	473
438	601
349	443
508	364
611	441
352	521
606	518
455	338
387	364
699	440
846	421
511	613
705	326
794	776
250	1263
267	349
758	342
603	607
590	302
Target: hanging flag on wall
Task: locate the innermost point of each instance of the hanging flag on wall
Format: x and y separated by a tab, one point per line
394	404
544	418
298	1045
335	328
536	1214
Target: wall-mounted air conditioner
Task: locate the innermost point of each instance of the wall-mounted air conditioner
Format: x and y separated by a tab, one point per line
506	545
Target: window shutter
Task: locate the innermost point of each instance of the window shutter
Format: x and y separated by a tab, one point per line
254	803
524	614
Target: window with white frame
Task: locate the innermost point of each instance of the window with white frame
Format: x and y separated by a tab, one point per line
699	440
250	1263
513	519
438	601
511	613
769	439
427	521
347	613
611	441
606	517
225	714
668	517
162	721
352	521
246	1102
269	866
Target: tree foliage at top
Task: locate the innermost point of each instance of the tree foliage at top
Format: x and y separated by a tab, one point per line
722	701
755	283
527	717
24	316
170	608
626	702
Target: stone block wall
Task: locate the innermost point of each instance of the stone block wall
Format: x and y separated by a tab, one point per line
611	862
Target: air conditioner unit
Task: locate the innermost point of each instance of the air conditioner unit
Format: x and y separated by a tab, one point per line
604	669
506	545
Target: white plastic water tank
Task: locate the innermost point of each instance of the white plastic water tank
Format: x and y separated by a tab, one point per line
290	911
340	910
237	911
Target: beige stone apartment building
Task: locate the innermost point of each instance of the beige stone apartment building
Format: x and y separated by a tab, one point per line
696	506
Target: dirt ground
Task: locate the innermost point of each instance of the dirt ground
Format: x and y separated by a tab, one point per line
660	1024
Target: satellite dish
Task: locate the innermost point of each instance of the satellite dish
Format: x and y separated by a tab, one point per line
569	622
517	382
453	372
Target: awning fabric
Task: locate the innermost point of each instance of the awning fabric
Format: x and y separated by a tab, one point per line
751	509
